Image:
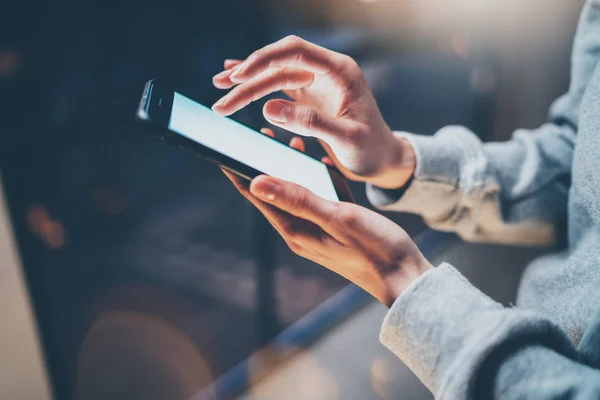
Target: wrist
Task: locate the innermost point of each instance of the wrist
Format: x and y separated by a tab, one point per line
406	272
399	167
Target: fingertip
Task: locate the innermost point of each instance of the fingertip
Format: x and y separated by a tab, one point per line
218	84
222	83
264	187
269	132
327	161
222	74
298	144
260	180
219	111
230	63
227	106
277	111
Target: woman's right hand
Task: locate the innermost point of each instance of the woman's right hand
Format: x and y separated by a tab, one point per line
331	101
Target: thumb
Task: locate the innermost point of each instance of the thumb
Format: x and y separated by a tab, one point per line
293	199
306	121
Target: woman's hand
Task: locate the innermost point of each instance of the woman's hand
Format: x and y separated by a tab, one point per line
361	245
331	101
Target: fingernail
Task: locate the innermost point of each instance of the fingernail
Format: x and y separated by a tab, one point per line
265	190
278	112
235	72
219	103
221	74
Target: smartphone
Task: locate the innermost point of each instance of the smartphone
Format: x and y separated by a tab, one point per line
182	121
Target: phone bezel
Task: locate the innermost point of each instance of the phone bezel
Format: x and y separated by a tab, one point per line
155	110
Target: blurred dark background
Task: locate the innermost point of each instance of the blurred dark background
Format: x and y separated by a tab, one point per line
143	261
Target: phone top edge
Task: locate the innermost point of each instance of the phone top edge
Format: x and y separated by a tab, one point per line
143	108
152	109
143	113
156	104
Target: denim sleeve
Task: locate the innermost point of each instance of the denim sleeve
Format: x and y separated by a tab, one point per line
513	192
463	345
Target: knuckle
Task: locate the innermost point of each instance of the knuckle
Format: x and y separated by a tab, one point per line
349	62
354	69
291	231
356	130
357	134
254	56
293	40
286	76
297	46
300	203
295	237
350	69
309	118
347	217
272	73
295	247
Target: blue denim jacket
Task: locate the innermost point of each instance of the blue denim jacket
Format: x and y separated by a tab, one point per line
541	185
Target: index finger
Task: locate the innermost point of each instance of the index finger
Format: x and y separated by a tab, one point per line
289	51
230	63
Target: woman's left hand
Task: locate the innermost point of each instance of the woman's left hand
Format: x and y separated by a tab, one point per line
359	244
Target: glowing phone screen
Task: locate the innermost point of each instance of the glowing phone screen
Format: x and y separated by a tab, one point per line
249	147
